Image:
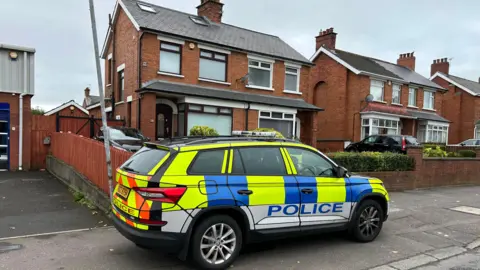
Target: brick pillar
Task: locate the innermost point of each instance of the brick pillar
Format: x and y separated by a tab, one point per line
477	150
417	154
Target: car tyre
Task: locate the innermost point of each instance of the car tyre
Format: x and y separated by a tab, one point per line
367	221
220	235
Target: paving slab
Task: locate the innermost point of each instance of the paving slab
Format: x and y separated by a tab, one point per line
413	262
462	262
445	253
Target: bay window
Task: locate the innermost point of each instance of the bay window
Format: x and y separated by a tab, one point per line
428	100
260	73
376	90
281	122
396	94
218	118
432	132
379	126
412	97
213	65
477	131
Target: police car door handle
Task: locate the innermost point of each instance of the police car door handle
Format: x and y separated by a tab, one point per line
307	191
245	192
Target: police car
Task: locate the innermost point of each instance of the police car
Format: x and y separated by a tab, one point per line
205	198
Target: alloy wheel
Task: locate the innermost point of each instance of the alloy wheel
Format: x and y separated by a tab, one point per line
218	243
369	221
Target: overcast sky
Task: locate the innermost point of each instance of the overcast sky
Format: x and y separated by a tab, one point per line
60	30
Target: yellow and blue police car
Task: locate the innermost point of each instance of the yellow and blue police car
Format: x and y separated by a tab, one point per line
205	198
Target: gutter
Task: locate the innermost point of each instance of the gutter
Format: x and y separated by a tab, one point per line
246	115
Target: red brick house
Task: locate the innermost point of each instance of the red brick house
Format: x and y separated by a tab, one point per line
461	104
167	71
17	88
404	102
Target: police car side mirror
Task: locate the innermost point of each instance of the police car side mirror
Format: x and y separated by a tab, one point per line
341	172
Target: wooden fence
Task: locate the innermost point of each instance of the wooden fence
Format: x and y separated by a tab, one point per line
87	156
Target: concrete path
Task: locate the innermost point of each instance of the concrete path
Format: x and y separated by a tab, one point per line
422	232
37	203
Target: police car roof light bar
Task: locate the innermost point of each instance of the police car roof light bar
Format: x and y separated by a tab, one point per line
253	133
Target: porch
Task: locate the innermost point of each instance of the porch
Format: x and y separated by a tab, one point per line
171	110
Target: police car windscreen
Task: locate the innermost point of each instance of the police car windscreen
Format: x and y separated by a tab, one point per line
143	161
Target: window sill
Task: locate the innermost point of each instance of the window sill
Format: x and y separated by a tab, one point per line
170	74
260	88
413	107
213	81
430	110
397	104
292	92
108	85
379	101
119	103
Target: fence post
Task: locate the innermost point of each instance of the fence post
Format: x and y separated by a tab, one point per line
92	126
57	122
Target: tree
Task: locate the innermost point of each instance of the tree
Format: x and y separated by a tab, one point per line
38	111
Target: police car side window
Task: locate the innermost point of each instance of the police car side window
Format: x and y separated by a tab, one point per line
207	162
262	161
237	164
308	163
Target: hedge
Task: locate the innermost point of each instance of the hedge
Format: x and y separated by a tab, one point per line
437	151
203	131
373	161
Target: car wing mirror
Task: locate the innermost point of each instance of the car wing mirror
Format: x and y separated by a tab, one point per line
341	172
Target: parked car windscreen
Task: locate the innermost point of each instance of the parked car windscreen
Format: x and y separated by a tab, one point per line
470	142
411	140
143	161
135	133
116	134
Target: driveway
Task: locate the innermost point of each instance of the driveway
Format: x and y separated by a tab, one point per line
422	231
34	203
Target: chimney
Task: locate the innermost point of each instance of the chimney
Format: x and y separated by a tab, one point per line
441	65
87	92
212	9
327	39
407	60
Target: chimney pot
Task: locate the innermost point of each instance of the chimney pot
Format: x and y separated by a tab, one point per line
440	65
327	38
407	60
212	9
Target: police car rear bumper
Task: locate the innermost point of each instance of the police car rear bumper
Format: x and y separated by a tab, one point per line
166	241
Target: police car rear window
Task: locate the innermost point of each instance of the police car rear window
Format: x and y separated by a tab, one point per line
143	161
208	162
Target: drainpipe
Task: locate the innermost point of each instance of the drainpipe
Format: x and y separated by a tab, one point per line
20	113
246	116
139	64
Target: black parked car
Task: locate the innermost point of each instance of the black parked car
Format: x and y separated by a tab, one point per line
383	143
128	139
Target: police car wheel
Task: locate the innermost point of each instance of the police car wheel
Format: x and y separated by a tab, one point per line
216	242
367	222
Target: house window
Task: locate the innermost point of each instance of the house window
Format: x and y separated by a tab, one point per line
213	66
259	74
109	71
396	94
281	122
428	100
432	133
412	97
378	126
477	131
121	85
376	90
170	58
218	118
292	79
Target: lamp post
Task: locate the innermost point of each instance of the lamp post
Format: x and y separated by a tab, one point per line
369	98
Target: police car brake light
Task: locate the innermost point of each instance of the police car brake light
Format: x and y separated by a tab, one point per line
167	195
253	133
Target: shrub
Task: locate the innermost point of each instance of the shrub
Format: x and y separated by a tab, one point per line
434	146
453	155
467	153
203	131
373	161
279	135
436	151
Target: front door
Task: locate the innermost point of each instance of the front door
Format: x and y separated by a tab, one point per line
164	121
4	136
260	184
324	196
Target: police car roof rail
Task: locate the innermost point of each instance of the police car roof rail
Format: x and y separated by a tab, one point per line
234	138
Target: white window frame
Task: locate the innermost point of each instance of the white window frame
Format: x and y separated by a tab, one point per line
412	90
399	93
476	132
374	82
371	125
431	127
293	120
431	98
297	73
261	60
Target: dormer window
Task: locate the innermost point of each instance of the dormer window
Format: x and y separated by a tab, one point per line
146	8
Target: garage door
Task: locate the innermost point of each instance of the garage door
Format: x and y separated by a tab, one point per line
4	135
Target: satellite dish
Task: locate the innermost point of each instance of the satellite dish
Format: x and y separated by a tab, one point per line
369	98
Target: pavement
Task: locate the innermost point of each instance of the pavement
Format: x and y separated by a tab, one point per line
423	232
35	203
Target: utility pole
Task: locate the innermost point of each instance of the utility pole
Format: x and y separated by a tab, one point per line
106	135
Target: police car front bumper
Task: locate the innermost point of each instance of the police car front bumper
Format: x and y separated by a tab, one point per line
166	241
